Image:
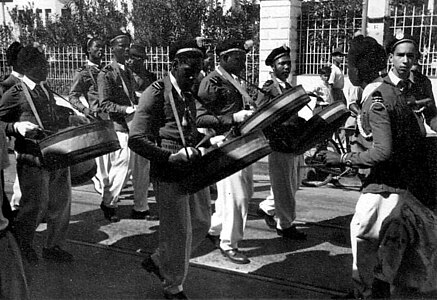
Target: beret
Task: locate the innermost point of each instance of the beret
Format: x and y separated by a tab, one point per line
138	50
277	53
231	45
186	48
366	57
12	53
400	38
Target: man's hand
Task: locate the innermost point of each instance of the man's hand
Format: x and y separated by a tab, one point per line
184	156
27	129
130	110
217	140
330	159
242	115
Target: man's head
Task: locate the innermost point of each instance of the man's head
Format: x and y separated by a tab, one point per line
366	58
137	56
12	53
94	49
403	54
32	62
325	73
120	45
187	60
337	55
232	55
280	61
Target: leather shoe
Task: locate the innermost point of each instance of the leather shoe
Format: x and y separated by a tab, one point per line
180	295
109	213
149	265
143	215
56	254
270	220
235	256
215	240
292	233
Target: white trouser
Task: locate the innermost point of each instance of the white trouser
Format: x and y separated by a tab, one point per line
184	221
231	207
370	211
16	194
117	172
140	169
103	165
285	177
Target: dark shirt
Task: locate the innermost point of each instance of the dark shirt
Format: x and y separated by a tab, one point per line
85	84
154	121
112	96
421	89
218	101
396	157
143	79
9	82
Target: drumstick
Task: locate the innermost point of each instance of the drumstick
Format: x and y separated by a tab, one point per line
204	139
421	102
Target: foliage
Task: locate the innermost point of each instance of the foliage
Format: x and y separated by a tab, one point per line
80	18
160	22
241	22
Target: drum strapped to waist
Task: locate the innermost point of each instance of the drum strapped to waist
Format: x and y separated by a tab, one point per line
321	126
78	144
278	110
223	161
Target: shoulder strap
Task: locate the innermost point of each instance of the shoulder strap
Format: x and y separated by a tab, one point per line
32	105
169	95
126	90
246	98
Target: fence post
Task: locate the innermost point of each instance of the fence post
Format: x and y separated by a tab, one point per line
376	16
278	26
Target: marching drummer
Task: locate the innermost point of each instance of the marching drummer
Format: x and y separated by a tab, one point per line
223	104
395	157
284	166
30	111
164	131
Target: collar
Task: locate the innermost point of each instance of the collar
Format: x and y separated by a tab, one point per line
370	88
395	79
29	82
121	66
175	84
90	63
16	74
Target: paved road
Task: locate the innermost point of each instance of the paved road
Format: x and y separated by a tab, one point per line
107	256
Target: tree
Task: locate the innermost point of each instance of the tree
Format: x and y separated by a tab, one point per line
160	22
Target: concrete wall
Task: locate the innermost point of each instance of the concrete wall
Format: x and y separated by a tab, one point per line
278	26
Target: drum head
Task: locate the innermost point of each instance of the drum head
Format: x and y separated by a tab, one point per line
278	110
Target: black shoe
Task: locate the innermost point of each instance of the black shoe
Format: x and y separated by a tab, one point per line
109	213
380	289
270	220
149	265
180	295
56	254
292	233
235	256
143	215
215	240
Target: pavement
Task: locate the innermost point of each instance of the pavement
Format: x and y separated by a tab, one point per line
108	255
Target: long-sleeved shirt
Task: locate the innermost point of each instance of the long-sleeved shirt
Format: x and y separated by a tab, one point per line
112	96
85	84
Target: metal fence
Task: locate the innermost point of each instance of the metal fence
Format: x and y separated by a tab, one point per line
63	62
318	37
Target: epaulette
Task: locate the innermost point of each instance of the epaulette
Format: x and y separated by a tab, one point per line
268	83
17	88
80	69
107	68
377	99
159	85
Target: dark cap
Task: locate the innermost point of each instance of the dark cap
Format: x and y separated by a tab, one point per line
12	52
138	50
188	48
232	45
118	35
366	57
277	53
400	38
338	51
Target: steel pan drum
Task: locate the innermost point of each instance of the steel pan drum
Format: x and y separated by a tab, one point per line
321	126
83	172
78	144
276	111
230	157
